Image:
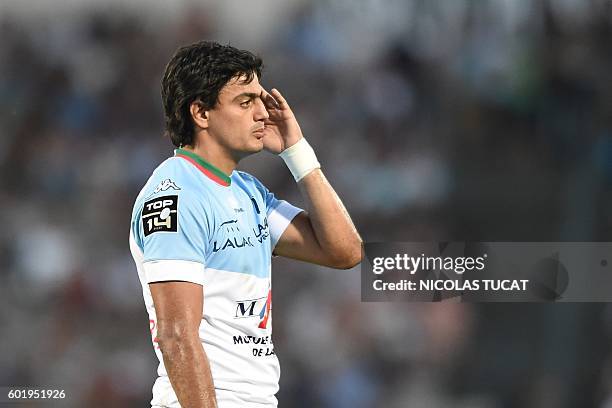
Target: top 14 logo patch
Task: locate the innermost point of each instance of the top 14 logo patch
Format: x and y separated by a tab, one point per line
160	214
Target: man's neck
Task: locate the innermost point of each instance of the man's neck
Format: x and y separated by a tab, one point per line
215	156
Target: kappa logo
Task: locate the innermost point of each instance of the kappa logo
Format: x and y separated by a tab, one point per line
165	185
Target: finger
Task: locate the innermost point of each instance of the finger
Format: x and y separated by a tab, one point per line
269	100
279	98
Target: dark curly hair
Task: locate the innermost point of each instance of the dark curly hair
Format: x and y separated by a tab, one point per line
198	72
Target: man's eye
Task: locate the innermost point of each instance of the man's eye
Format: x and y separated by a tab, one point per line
246	103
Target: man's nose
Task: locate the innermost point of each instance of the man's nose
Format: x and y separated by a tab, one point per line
260	110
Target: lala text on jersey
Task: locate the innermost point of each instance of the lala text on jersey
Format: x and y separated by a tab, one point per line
230	236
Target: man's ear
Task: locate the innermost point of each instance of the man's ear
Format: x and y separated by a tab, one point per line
199	114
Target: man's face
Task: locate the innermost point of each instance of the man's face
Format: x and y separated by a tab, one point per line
237	120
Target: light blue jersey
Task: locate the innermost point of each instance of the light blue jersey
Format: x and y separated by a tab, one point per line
192	223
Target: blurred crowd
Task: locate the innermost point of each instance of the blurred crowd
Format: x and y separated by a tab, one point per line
455	120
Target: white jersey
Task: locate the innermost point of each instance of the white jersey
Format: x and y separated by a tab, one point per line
192	223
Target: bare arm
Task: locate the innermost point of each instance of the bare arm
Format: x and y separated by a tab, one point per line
325	235
178	306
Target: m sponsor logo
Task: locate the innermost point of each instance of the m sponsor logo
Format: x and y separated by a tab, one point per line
250	307
259	308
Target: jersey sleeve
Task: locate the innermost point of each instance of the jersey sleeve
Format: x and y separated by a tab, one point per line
174	232
280	213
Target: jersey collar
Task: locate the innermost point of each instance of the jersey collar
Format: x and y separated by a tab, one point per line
208	169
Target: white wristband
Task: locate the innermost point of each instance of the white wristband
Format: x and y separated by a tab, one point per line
300	158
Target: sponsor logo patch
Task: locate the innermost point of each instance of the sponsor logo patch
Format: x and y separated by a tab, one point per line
250	307
160	214
259	308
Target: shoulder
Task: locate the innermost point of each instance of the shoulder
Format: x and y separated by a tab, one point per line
245	177
173	169
173	177
247	180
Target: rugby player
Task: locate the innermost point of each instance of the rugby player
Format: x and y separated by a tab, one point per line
203	234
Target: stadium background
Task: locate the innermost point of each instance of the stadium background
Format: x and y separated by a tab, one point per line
449	120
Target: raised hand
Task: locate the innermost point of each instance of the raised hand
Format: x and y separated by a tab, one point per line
282	129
